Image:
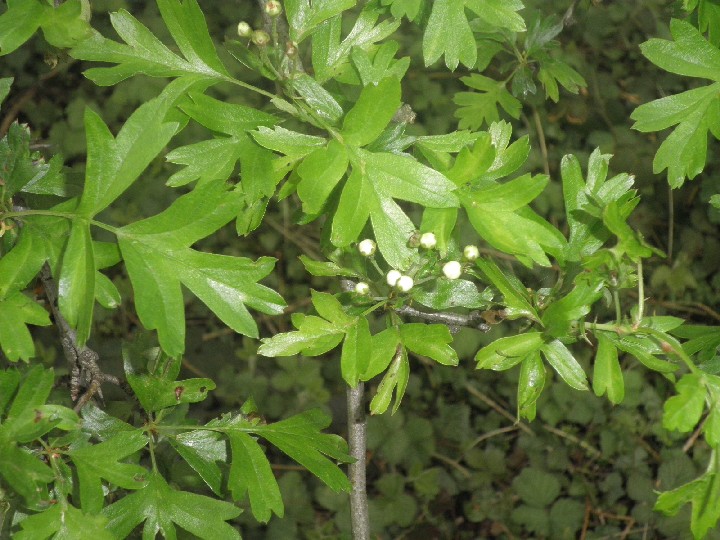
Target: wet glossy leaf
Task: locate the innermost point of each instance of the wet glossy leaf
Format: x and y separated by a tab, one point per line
607	375
562	360
509	351
682	412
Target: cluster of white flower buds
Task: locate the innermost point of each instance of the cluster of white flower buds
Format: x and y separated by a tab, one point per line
399	281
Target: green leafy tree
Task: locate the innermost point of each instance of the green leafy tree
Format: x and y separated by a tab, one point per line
331	138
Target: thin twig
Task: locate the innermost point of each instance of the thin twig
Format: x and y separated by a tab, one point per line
497	408
453	320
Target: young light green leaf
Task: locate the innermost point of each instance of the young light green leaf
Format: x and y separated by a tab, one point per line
289	143
305	16
356	351
76	282
515	297
559	315
509	351
607	375
62	521
19	23
313	337
103	460
682	412
431	340
326	269
229	118
161	507
499	13
562	360
395	379
331	309
21	264
373	110
377	65
317	98
201	449
477	108
530	384
250	473
385	345
448	32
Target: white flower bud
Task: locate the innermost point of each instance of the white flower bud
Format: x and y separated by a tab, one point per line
244	29
367	247
471	253
273	8
362	288
405	283
428	240
452	269
393	276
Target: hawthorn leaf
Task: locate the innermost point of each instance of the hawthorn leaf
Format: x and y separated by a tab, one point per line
201	449
301	438
560	314
514	295
373	68
103	461
319	173
67	24
448	33
446	293
250	473
213	159
644	350
143	53
509	351
481	107
305	16
326	268
63	521
431	340
701	494
156	393
562	360
229	118
9	382
682	412
161	507
383	347
331	309
290	143
395	380
16	312
317	98
114	163
607	375
19	23
356	350
330	54
499	13
314	336
353	209
21	264
76	280
530	385
372	112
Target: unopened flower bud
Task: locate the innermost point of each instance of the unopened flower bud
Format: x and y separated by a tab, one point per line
393	276
367	247
273	8
244	29
362	288
471	253
428	240
452	269
291	49
260	38
405	283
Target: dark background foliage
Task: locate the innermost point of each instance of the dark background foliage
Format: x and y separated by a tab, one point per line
452	463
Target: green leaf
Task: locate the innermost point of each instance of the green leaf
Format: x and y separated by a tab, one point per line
607	375
317	98
644	350
385	345
93	463
290	143
559	315
300	437
689	54
509	351
5	85
395	379
562	360
221	116
250	473
331	309
313	337
431	340
702	493
499	13
320	172
682	412
448	32
144	53
553	71
63	521
76	281
356	351
530	385
161	507
445	293
17	311
374	66
514	295
21	264
201	449
330	54
305	16
158	261
157	393
325	269
372	112
113	164
481	107
19	23
67	24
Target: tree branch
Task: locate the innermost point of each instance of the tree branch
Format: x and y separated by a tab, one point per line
454	321
357	439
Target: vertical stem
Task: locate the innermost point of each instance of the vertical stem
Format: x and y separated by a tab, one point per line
671	224
357	437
